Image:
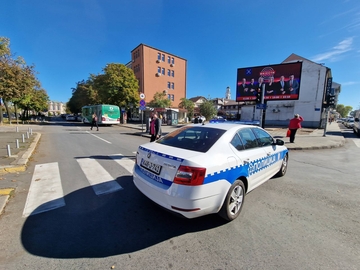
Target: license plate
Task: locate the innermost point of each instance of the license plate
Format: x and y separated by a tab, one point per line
155	168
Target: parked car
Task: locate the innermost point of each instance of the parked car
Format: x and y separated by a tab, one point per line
356	126
203	169
70	117
349	122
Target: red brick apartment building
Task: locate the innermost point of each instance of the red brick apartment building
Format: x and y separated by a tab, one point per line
159	71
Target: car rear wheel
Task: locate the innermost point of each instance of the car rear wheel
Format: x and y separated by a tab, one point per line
233	201
284	165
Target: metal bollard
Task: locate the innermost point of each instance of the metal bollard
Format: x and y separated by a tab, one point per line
8	150
23	137
17	143
17	129
30	131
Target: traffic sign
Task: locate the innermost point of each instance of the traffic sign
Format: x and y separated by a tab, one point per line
261	106
142	95
142	102
142	108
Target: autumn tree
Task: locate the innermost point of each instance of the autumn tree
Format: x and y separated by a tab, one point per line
18	82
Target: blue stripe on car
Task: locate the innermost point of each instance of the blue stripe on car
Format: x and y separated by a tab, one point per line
229	174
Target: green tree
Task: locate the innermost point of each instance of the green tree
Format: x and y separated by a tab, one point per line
343	110
207	109
84	94
17	80
117	85
160	101
188	105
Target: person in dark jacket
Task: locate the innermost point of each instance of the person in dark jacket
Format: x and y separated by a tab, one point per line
294	125
94	120
155	127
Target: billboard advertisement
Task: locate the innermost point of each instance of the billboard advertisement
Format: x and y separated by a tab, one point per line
281	82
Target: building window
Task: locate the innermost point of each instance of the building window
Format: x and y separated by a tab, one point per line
159	69
159	56
172	60
168	72
169	59
168	85
163	71
172	73
172	97
169	96
172	85
163	57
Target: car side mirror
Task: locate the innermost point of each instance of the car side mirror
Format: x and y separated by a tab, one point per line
279	142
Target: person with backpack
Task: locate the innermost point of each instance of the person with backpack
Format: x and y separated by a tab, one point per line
94	121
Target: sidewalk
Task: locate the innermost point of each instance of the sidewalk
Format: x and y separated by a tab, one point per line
306	139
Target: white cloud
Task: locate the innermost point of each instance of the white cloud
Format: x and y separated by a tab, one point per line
341	48
349	83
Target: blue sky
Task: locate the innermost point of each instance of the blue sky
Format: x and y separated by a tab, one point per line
68	40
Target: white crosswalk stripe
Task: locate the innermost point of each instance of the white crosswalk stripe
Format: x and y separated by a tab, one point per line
101	181
45	191
127	163
357	142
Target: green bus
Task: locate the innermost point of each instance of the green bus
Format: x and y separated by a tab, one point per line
106	114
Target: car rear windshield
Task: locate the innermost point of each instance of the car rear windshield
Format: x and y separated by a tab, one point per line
193	138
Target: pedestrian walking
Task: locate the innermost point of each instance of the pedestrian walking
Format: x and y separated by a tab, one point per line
155	127
294	125
94	120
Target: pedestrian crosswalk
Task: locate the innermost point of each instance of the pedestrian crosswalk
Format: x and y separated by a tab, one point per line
46	189
357	142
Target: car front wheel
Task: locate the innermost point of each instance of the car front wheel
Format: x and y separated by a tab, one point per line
233	202
284	165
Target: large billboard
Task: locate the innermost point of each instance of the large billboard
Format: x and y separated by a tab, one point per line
281	82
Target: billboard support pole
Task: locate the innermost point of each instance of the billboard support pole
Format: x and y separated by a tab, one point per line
263	111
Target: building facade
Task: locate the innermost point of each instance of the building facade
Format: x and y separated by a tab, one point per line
159	71
56	108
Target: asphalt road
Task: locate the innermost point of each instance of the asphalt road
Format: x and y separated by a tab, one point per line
308	219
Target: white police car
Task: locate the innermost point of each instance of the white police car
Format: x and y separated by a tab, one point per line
203	169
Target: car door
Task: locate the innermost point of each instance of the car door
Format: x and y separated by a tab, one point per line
273	155
251	155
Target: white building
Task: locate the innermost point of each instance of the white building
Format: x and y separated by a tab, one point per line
56	108
310	104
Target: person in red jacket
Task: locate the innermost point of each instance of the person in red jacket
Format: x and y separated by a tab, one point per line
294	124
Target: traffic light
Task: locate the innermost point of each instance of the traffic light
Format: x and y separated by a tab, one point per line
259	96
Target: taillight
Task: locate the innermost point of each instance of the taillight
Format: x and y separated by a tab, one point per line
136	158
103	119
118	119
190	176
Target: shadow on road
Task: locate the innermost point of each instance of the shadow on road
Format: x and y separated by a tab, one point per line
100	226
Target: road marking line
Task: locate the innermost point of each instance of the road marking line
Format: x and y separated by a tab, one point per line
357	142
101	181
127	163
45	192
99	137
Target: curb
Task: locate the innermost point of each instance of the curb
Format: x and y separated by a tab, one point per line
4	197
20	164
